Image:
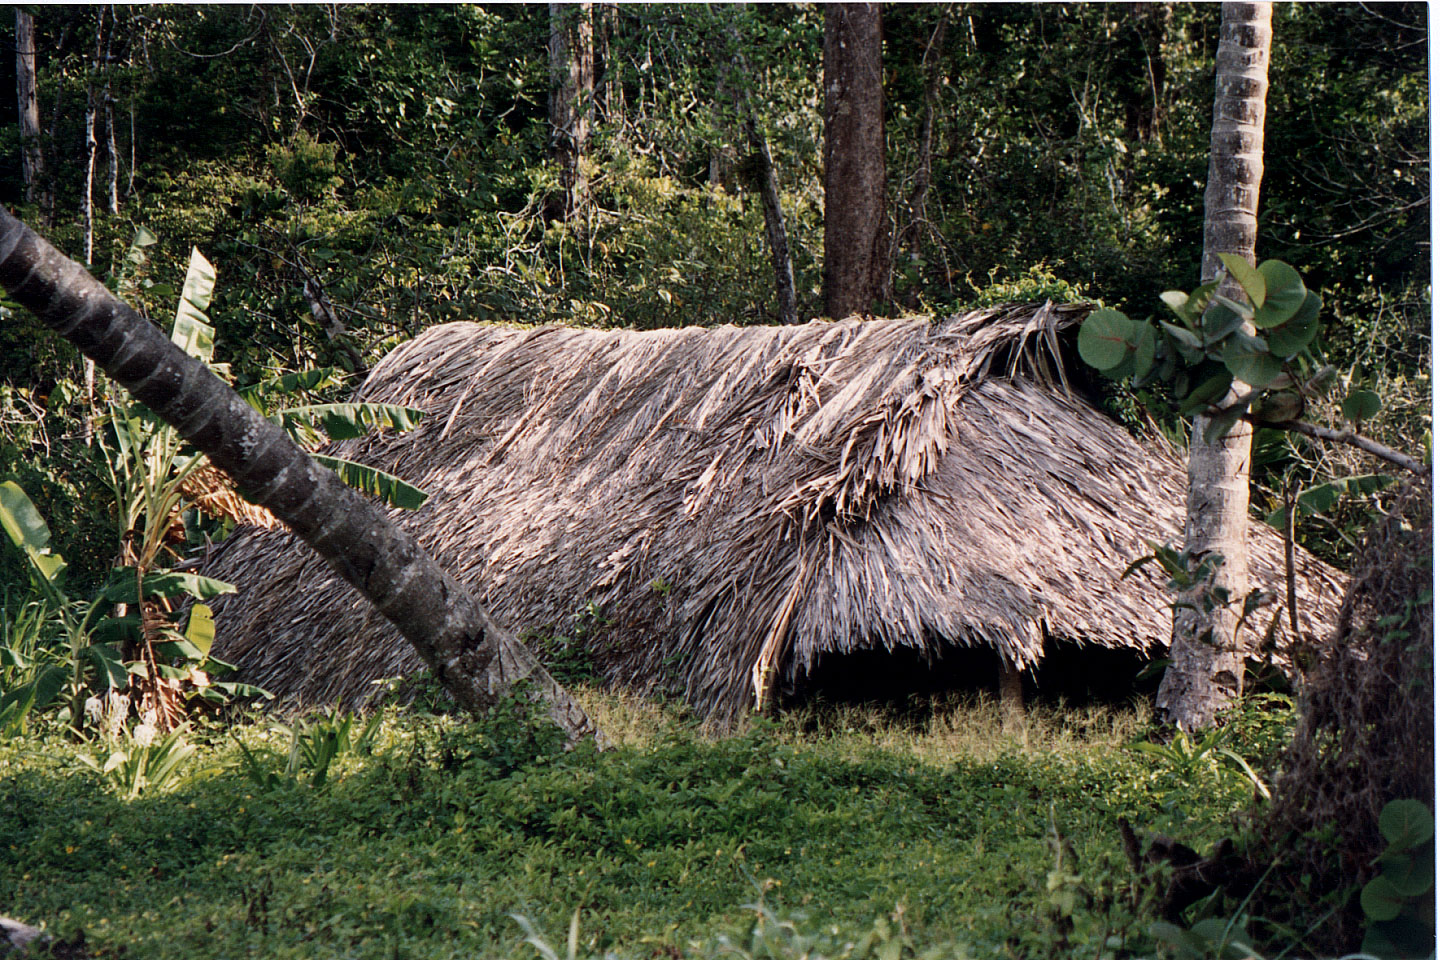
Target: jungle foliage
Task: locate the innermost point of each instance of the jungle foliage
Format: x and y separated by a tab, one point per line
358	173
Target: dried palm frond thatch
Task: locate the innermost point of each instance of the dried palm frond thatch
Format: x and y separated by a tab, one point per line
738	502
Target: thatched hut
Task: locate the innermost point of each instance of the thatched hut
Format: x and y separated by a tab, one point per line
735	504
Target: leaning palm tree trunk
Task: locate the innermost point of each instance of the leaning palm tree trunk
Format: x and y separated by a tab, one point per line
475	659
1207	664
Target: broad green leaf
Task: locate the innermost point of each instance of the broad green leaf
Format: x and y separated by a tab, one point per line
1182	336
1256	367
200	630
16	704
22	522
1360	405
1322	497
1406	823
1411	871
192	331
1218	323
1178	301
1299	331
295	382
177	650
165	584
1381	900
386	486
107	665
1252	280
343	421
1105	338
1208	392
1285	297
49	564
1236	307
1399	939
1144	351
116	630
243	689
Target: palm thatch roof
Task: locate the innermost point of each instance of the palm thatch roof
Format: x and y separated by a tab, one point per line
736	503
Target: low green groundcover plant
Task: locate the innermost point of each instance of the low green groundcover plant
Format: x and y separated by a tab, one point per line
832	833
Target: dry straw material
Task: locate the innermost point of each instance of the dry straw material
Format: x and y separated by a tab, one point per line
736	503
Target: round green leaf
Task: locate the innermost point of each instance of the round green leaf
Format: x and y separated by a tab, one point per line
1219	322
1256	367
1412	871
1361	405
1105	338
1406	823
1253	281
1285	294
1381	900
1144	350
1299	331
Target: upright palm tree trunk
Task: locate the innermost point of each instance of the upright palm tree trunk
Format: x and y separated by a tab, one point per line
475	659
857	231
1207	663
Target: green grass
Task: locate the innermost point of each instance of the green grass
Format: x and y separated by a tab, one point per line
425	847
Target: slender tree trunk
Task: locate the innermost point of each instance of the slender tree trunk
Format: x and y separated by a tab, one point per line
1143	90
857	234
1012	697
572	93
475	659
32	158
917	216
1207	663
87	196
112	155
769	183
774	225
612	86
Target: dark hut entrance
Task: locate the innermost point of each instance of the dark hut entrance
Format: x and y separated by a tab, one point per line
905	681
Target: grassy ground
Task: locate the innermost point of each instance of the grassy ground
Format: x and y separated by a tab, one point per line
840	821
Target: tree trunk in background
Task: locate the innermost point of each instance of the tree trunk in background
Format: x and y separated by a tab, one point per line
474	658
769	184
917	223
1143	90
857	234
613	89
1207	666
32	158
774	224
572	94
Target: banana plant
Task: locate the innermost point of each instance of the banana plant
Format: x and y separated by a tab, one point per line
47	673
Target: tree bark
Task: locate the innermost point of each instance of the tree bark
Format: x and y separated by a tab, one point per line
32	158
612	84
475	659
769	183
857	245
774	225
917	225
572	93
1207	667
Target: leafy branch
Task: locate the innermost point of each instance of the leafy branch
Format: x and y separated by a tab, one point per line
1267	342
